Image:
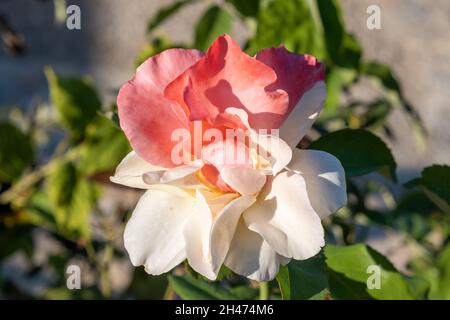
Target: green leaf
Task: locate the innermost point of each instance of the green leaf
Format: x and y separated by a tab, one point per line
16	152
322	295
244	292
307	278
333	25
419	287
350	273
440	278
284	282
72	198
189	288
145	286
214	22
436	183
342	47
248	8
288	22
343	288
104	147
75	100
166	12
359	151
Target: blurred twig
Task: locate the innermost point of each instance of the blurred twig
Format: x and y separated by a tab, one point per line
14	43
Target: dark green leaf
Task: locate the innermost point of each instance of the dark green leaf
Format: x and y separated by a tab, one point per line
333	24
16	152
214	22
414	201
436	182
359	151
247	8
343	288
306	279
145	286
189	288
343	49
75	100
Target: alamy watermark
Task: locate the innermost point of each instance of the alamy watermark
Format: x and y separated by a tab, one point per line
73	281
232	146
374	280
73	18
373	21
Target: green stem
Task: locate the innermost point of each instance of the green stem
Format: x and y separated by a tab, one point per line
263	291
105	284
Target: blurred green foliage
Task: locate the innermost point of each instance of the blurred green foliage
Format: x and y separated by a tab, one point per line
16	152
59	195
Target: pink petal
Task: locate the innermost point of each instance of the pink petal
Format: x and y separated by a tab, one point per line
227	77
146	116
297	75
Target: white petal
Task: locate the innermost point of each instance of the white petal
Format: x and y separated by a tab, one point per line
303	115
217	202
224	227
249	255
207	239
283	216
183	176
243	180
154	234
278	152
130	170
324	179
271	147
197	232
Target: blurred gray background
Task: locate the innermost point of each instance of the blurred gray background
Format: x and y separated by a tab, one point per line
413	41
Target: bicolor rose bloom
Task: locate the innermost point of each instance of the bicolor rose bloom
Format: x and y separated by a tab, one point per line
252	215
